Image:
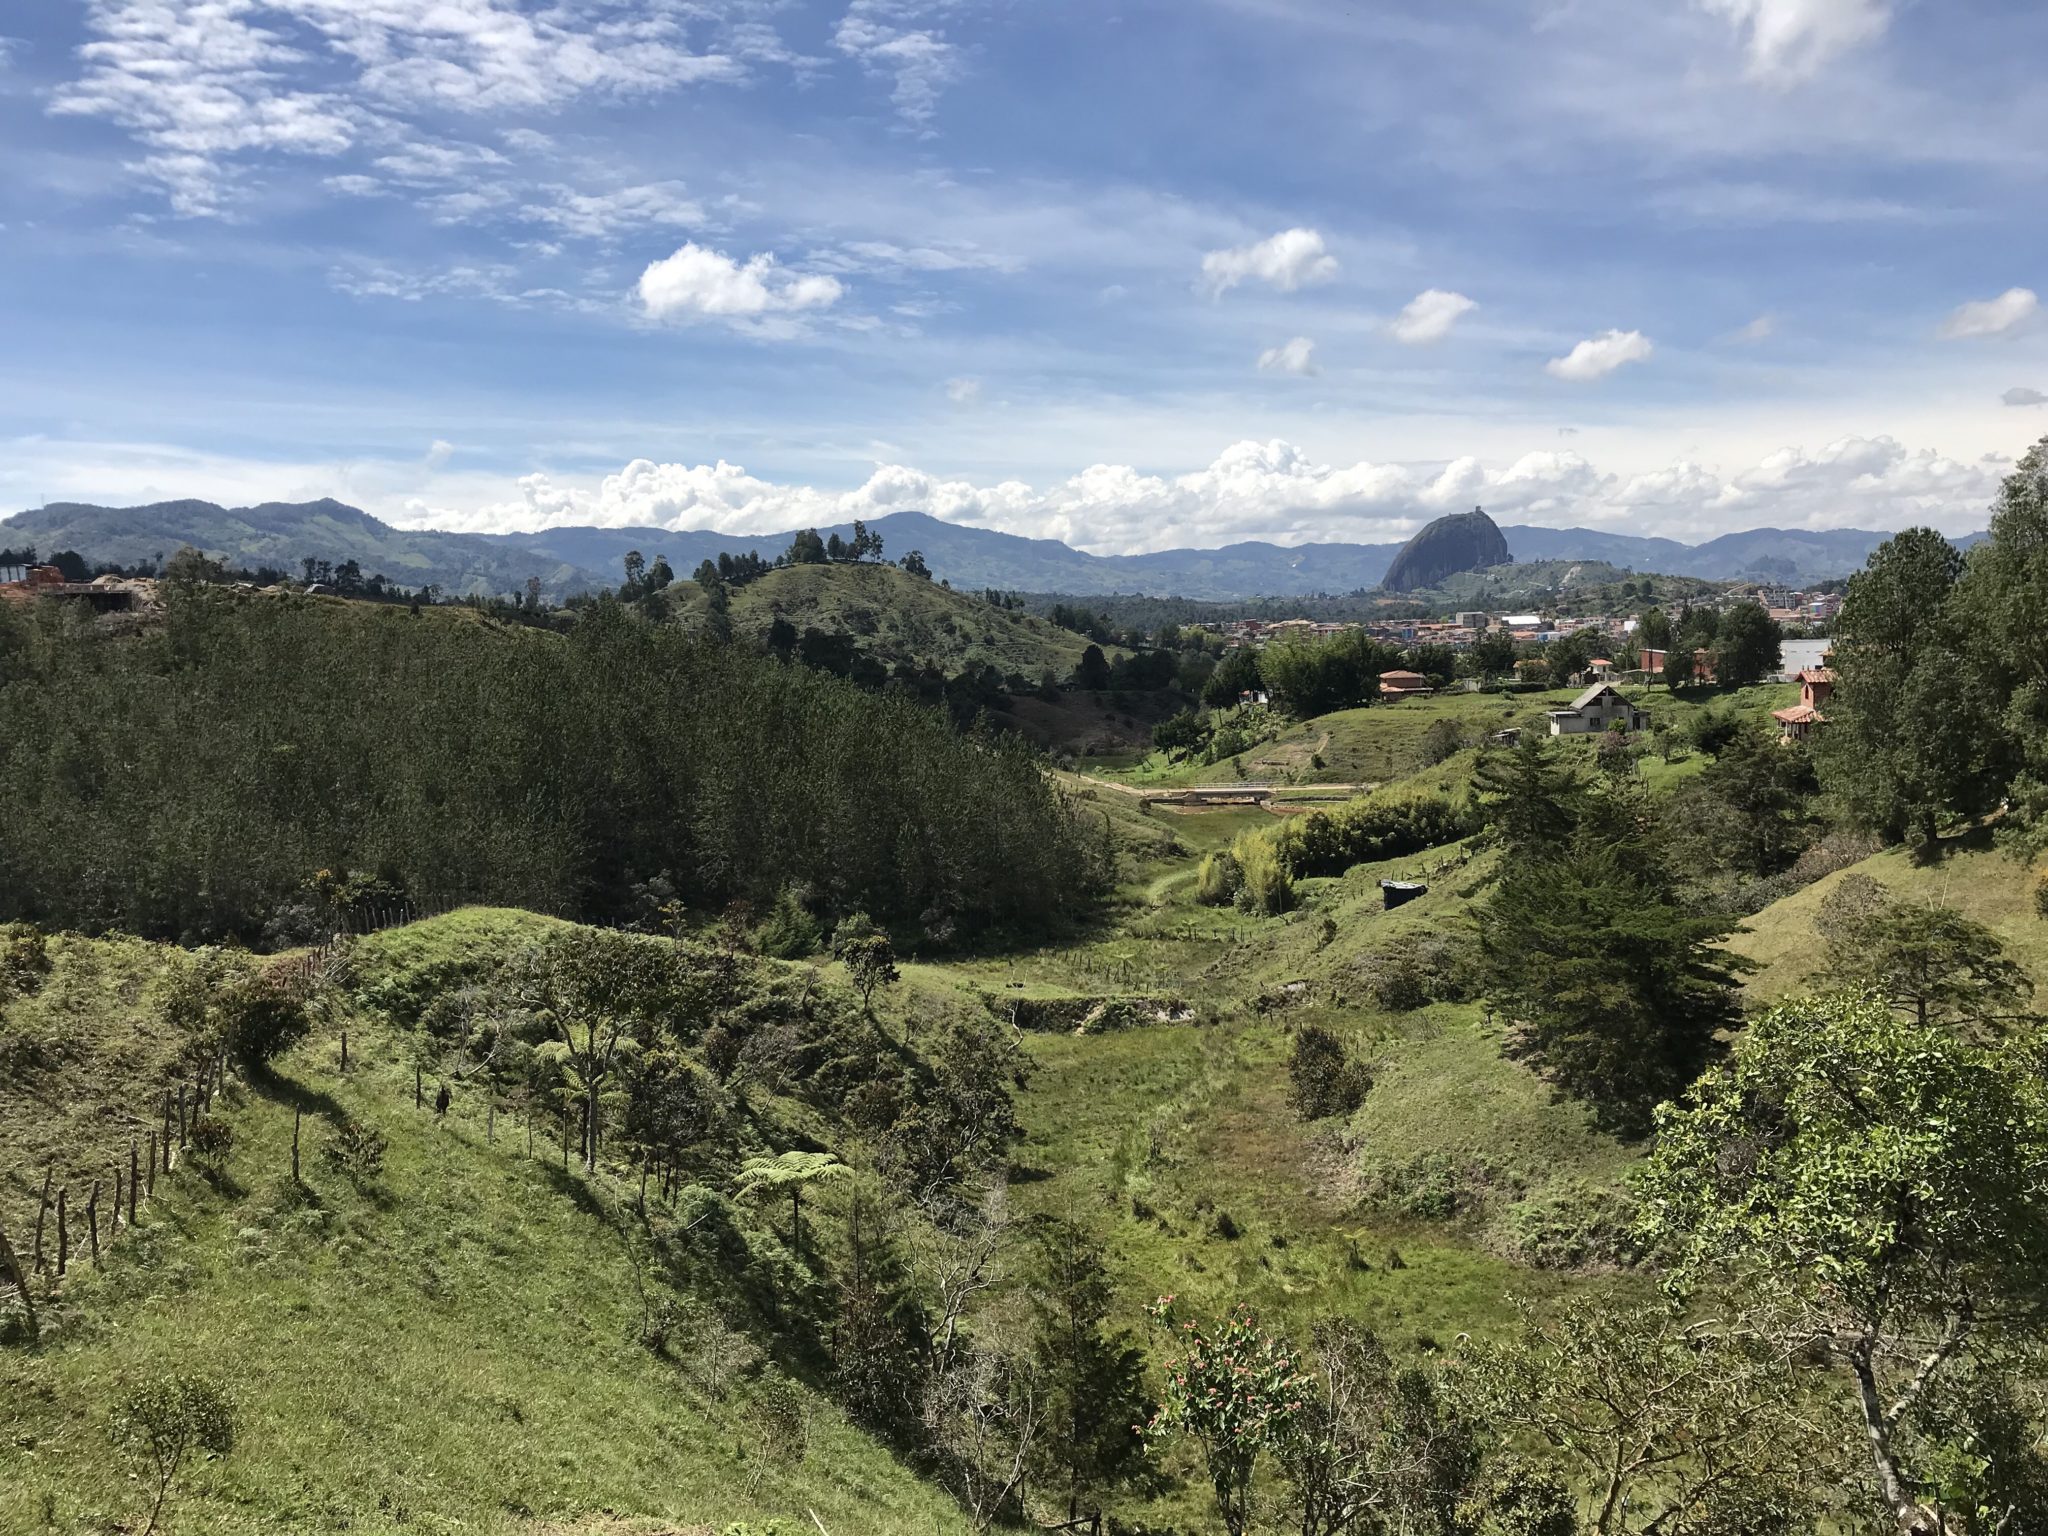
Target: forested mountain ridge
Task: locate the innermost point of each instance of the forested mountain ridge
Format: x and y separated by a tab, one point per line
572	559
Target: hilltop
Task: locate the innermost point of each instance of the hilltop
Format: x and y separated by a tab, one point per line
896	618
1464	541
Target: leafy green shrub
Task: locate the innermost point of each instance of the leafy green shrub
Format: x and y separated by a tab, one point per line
1572	1226
168	1419
1218	879
355	1149
212	1139
777	1422
262	1017
1420	969
790	933
1432	1185
1383	825
24	959
1322	1078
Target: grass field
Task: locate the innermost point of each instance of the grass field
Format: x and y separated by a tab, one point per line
452	1346
1968	875
1382	742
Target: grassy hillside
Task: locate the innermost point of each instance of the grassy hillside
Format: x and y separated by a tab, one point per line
1382	742
454	1343
896	617
1968	875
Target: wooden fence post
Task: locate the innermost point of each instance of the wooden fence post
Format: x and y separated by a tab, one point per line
184	1131
151	1191
10	1269
42	1209
92	1219
164	1145
114	1216
417	1085
296	1113
63	1233
134	1179
344	1050
491	1122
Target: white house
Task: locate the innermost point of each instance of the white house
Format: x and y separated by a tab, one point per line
1600	708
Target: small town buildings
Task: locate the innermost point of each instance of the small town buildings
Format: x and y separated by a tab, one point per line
1652	660
1600	708
1600	667
1471	621
1400	685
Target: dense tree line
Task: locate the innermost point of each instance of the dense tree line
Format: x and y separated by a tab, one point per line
192	779
1941	706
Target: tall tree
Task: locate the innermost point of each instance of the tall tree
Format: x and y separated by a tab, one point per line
1913	731
1614	984
1747	645
2002	596
1092	1372
1926	960
1881	1188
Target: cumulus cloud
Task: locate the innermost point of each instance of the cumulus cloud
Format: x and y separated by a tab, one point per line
1296	356
1292	259
963	391
1991	317
1274	490
1598	356
1790	40
1429	317
699	283
2021	394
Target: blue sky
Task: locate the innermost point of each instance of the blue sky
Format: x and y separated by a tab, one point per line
1129	274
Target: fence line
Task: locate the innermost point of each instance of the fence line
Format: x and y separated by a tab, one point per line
181	1109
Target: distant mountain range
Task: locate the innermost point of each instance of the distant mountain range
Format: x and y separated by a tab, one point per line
571	559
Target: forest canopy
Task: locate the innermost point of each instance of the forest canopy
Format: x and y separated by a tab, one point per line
192	779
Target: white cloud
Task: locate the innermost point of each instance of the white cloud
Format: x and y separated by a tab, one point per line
1790	40
1762	328
1289	260
601	215
1598	356
697	282
425	164
1273	490
439	452
1296	356
354	186
2021	394
963	391
1429	316
919	60
1991	317
196	85
206	88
